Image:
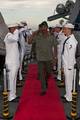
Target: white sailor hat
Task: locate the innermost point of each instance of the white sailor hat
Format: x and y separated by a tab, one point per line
58	26
69	25
20	25
65	22
12	25
24	22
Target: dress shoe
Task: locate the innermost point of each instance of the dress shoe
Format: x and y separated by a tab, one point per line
64	100
19	83
16	99
61	84
59	80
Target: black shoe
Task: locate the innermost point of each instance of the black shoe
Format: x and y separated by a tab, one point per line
64	100
43	93
59	80
61	85
20	83
16	99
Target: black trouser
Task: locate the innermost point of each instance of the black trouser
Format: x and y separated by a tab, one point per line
44	70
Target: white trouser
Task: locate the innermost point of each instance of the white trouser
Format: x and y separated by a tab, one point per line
59	70
59	66
68	83
20	69
20	72
12	77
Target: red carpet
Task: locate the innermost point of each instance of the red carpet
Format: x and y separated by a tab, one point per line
32	106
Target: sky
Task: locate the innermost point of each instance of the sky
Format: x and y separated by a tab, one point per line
32	11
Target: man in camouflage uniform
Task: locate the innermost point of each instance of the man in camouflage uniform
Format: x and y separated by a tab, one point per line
44	43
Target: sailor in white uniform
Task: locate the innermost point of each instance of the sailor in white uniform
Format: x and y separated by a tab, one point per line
60	38
23	36
21	52
12	59
68	56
